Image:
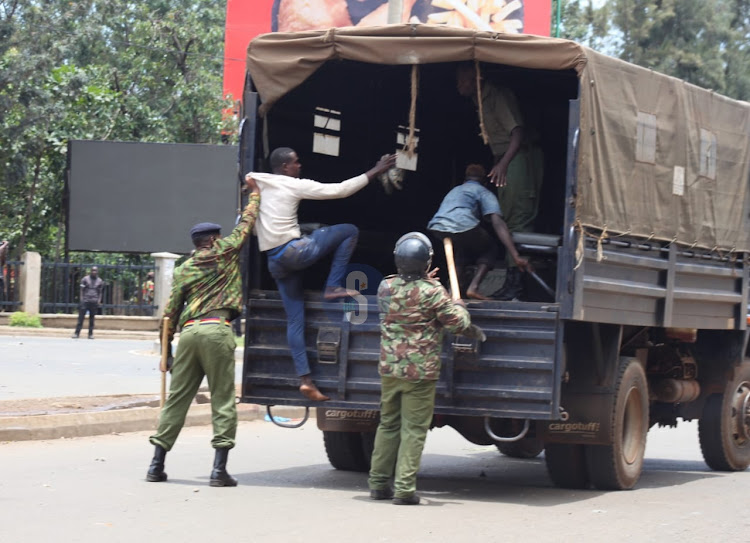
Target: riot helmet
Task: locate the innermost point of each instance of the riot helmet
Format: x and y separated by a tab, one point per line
413	255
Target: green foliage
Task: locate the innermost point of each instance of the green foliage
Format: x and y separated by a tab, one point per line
23	319
101	70
583	22
705	42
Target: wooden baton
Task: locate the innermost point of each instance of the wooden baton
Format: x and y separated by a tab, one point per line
164	356
455	289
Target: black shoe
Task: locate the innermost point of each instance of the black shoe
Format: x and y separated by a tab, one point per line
74	336
156	469
411	500
91	336
381	494
219	475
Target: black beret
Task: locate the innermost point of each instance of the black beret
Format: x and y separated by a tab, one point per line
204	228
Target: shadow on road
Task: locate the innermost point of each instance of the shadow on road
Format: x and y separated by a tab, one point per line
485	476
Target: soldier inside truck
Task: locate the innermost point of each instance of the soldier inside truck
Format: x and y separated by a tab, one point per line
364	109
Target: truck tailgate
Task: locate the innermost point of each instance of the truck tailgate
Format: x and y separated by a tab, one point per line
516	374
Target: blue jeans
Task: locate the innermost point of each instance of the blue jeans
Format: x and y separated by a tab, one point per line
286	264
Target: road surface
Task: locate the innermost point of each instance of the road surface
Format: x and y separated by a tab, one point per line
93	490
39	367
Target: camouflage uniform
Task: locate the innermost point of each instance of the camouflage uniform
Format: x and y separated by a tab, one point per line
208	283
413	315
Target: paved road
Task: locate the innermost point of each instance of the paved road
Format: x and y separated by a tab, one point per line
36	367
92	490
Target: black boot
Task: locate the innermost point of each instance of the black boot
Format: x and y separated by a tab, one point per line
512	289
219	476
156	469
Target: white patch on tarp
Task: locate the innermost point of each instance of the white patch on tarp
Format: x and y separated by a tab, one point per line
325	143
678	181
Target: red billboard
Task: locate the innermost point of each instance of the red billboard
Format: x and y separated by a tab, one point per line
248	18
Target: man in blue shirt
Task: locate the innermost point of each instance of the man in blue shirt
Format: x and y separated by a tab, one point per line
460	217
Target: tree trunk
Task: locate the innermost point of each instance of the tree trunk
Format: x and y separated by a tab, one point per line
29	206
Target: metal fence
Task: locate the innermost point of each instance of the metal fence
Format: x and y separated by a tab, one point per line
126	291
10	299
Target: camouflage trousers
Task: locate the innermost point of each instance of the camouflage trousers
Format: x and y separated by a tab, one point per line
519	199
405	415
204	349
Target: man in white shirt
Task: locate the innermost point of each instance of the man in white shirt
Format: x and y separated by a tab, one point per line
289	253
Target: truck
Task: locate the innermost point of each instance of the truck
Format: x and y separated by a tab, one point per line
637	316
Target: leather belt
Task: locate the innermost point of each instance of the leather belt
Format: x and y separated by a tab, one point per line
208	320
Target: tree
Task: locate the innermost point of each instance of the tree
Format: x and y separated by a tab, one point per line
737	68
583	22
94	69
682	38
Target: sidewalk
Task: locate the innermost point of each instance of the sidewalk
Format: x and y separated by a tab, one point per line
135	418
67	332
78	416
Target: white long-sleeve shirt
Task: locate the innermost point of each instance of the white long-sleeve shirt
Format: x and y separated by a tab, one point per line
280	197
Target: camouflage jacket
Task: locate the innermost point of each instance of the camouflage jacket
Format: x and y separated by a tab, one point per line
211	280
413	315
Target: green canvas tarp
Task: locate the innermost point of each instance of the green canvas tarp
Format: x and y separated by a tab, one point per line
657	157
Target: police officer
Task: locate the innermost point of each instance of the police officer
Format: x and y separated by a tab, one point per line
518	162
206	295
414	310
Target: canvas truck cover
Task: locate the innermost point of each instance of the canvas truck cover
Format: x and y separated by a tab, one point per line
657	157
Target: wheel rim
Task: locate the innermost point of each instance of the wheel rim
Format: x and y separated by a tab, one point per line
741	414
632	428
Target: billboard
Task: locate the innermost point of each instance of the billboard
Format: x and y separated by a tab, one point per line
143	197
248	18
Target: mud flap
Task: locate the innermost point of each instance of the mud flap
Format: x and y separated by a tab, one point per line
347	420
589	421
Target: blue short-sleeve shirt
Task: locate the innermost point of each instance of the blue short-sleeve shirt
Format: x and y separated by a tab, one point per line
463	208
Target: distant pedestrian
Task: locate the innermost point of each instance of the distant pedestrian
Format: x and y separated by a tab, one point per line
92	287
414	310
147	293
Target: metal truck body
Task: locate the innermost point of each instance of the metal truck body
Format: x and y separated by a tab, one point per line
642	328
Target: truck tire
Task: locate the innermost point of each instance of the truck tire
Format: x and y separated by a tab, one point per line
618	466
566	465
526	448
344	450
724	426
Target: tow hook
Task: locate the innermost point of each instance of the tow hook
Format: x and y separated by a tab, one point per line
492	434
284	425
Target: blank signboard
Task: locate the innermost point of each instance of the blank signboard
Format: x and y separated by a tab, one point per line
144	197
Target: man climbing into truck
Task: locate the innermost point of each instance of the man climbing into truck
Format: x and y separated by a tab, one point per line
290	253
460	217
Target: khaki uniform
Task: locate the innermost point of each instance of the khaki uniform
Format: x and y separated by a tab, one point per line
519	199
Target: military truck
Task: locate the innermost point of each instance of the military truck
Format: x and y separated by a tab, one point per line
638	317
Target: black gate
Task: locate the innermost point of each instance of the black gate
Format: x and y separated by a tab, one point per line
127	290
10	299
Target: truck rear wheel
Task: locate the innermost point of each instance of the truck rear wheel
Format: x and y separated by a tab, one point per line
724	427
618	466
529	447
345	451
566	465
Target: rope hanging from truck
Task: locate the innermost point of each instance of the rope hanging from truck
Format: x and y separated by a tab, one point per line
411	143
483	130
